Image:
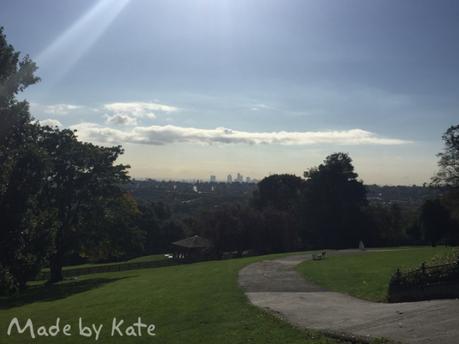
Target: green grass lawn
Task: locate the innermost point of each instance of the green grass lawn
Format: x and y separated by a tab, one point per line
151	258
195	303
366	275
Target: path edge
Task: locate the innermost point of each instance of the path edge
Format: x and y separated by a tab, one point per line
339	335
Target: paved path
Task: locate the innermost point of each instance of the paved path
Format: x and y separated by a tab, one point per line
276	286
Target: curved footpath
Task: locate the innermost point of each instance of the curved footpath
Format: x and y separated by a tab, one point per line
275	286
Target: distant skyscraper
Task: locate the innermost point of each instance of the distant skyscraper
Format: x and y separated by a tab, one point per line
213	179
229	179
239	178
248	179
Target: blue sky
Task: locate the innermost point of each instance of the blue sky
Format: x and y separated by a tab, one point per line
194	88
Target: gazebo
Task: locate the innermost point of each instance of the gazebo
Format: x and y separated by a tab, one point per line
191	249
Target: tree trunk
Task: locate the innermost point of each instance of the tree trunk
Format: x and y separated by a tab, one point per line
57	259
56	268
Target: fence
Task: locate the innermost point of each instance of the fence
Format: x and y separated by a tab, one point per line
425	283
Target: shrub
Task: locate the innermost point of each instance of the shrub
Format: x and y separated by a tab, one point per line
441	269
8	284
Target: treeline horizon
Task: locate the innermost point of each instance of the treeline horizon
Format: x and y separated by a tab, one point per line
203	181
154	190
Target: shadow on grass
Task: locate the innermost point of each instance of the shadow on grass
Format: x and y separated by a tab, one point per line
51	292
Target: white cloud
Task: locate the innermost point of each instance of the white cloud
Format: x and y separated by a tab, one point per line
50	122
140	107
120	119
160	135
55	109
127	113
260	106
119	113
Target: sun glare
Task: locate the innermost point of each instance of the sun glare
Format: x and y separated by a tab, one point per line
65	51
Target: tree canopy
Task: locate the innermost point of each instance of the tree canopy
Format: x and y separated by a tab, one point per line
281	191
50	182
448	174
24	235
333	203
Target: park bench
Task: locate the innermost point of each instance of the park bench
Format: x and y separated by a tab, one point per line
319	256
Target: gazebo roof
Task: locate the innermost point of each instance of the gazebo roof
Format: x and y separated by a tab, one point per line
193	242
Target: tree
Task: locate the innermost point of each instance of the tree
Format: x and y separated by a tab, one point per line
15	121
26	226
111	232
50	183
413	232
224	228
333	203
82	176
279	231
448	174
434	221
281	191
160	230
149	223
388	225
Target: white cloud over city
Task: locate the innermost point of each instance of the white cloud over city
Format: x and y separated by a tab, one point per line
168	134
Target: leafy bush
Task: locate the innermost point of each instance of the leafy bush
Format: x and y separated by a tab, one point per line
451	256
441	269
8	284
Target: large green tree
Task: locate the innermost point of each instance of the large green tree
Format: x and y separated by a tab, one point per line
111	232
448	178
280	191
50	183
333	204
26	227
448	174
434	221
82	176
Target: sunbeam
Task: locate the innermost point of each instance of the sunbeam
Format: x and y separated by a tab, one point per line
65	51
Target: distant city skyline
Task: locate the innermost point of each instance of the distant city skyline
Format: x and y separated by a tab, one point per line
204	87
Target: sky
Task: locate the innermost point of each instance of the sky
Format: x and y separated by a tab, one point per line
193	88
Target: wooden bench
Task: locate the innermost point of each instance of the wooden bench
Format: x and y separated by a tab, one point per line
319	256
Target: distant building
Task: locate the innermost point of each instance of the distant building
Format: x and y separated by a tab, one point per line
239	178
229	179
248	179
213	179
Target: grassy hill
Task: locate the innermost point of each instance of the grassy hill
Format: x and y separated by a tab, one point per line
196	303
366	275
